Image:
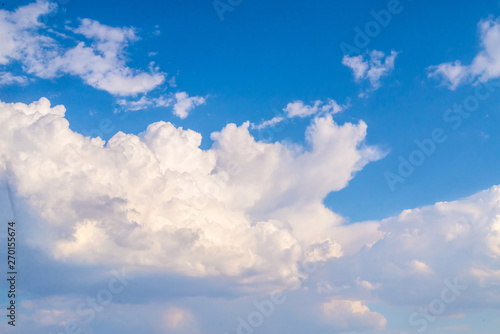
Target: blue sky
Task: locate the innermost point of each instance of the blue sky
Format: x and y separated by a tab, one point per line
329	129
264	55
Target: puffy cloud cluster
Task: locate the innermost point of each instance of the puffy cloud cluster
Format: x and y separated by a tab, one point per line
94	52
18	35
422	247
242	208
484	66
373	68
246	211
102	65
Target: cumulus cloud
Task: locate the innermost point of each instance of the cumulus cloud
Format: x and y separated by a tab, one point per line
352	315
18	31
184	104
371	67
423	247
102	64
299	109
484	66
241	209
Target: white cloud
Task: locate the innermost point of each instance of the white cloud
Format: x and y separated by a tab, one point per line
299	109
157	31
486	277
177	318
7	79
184	104
50	311
269	123
108	39
484	66
367	285
241	209
358	66
18	31
101	65
352	315
420	267
420	248
180	101
372	68
98	57
452	74
145	102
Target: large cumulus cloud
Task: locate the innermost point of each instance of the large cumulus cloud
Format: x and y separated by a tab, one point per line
242	209
422	249
241	212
